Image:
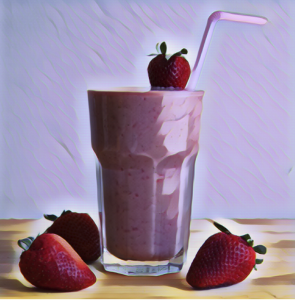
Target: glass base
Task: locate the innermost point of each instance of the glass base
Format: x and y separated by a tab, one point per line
141	268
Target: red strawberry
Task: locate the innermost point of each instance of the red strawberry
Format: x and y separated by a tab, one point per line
79	230
50	262
224	259
173	72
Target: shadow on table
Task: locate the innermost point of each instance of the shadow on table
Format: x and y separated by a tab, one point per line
286	279
15	285
7	256
170	280
99	267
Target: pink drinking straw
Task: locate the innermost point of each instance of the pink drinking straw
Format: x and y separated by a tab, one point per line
212	20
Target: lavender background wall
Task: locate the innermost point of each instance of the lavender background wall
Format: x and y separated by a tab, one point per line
53	51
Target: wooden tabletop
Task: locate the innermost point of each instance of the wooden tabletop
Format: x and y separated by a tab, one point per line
275	277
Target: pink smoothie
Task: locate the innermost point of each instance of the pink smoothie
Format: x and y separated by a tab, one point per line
146	143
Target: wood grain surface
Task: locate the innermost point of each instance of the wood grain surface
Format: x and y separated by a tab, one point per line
275	277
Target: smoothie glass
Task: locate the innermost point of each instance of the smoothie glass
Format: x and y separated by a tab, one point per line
146	144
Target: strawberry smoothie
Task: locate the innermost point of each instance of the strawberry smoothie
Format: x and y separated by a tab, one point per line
146	143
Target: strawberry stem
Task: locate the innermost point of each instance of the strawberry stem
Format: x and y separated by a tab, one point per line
65	212
250	242
260	249
246	237
157	48
163	48
54	217
182	51
26	243
221	228
257	262
50	217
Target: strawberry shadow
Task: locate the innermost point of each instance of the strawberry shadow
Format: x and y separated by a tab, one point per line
13	285
8	255
286	279
99	267
212	287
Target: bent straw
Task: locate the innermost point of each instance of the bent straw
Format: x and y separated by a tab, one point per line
212	20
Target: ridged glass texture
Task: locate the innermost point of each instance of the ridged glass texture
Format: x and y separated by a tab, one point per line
146	144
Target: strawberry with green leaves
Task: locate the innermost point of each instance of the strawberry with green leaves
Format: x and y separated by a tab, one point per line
224	259
79	230
168	71
49	262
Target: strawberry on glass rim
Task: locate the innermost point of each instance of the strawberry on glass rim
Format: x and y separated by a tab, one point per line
167	71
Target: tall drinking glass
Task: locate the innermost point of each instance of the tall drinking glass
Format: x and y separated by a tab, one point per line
146	144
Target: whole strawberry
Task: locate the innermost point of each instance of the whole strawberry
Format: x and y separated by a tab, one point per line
79	230
49	262
166	73
224	259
